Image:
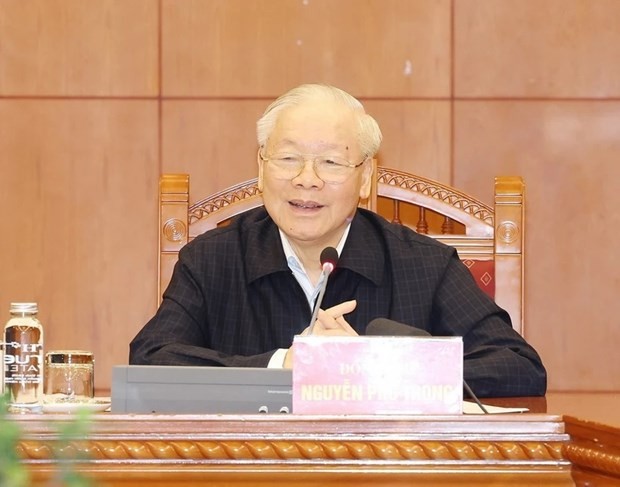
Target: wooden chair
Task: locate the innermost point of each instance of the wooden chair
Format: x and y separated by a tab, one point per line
489	239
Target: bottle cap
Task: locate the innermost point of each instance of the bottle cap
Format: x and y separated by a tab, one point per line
24	308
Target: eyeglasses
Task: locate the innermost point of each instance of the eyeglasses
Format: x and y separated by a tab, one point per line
330	169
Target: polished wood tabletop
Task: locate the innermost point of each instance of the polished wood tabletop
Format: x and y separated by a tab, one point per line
597	406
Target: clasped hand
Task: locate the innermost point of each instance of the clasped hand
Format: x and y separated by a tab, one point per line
329	322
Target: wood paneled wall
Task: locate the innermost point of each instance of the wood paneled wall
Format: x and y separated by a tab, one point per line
98	98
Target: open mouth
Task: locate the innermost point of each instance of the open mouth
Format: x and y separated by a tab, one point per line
305	205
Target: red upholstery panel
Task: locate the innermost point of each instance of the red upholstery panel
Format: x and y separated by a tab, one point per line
484	274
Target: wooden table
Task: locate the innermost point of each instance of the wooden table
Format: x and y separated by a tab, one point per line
296	450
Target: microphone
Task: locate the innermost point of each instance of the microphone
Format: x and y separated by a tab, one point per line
329	259
386	327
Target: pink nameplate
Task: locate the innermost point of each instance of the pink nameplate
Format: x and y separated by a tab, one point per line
377	375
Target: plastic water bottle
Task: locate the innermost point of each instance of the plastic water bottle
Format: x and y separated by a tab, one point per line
23	356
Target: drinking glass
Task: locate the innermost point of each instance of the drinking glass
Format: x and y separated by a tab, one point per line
69	376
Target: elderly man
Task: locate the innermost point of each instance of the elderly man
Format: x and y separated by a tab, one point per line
239	294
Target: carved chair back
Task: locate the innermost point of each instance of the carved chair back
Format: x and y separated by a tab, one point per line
489	240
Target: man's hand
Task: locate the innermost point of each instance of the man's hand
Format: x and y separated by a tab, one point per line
329	322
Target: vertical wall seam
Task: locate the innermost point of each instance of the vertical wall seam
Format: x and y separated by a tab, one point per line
452	151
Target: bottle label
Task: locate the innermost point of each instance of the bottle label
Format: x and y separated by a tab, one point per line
23	356
22	363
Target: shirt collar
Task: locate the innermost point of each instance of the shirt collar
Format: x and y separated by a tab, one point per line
362	251
291	257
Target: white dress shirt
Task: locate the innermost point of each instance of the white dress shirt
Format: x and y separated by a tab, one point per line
311	291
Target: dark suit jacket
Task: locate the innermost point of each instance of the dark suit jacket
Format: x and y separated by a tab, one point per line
233	301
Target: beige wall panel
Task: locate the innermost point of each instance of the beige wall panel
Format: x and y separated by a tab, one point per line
264	47
76	47
537	48
416	136
212	140
568	153
79	210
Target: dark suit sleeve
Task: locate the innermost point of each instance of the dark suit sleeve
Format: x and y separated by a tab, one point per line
178	333
498	361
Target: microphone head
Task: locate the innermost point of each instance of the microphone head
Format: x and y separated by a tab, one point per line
329	259
386	327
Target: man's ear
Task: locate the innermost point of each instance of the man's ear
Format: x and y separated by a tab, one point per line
367	176
260	163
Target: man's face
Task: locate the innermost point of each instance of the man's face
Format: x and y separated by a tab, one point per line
308	210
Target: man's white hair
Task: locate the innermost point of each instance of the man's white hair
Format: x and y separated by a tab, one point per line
368	132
